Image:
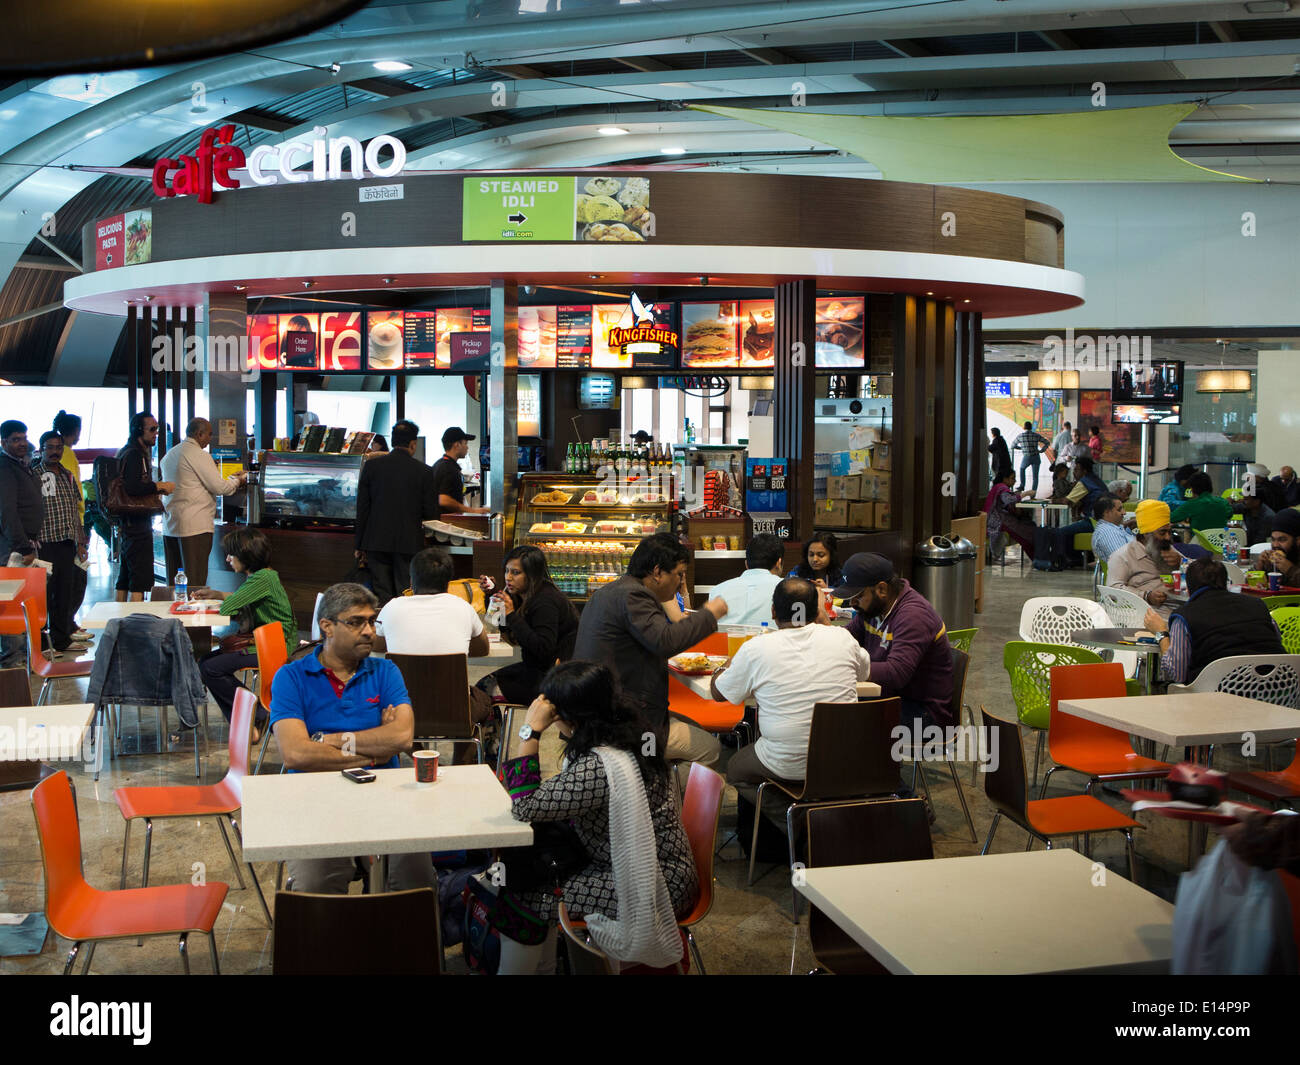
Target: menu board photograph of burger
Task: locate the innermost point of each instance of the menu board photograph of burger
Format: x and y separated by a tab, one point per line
840	333
757	318
340	340
264	341
614	210
384	340
537	332
298	347
709	336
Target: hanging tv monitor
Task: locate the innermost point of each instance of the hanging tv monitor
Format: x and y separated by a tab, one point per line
1154	413
1151	381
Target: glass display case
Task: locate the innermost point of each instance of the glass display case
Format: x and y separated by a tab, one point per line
589	525
298	488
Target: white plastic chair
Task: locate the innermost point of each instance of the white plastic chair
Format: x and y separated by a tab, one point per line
1259	549
315	617
1052	618
1270	678
1236	575
1126	610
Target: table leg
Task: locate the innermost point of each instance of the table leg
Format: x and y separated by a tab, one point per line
379	875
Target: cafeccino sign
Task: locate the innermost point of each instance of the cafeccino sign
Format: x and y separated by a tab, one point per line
215	159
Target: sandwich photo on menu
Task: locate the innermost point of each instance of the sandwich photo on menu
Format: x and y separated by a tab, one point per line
709	340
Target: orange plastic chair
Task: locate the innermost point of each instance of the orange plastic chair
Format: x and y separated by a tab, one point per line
48	671
271	655
220	800
700	809
1007	788
82	913
1274	786
12	622
706	713
1097	751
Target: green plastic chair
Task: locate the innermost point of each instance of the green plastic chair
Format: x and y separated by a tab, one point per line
961	638
1288	623
1029	666
1275	601
1211	539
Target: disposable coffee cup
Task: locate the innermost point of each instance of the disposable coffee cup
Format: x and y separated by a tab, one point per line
1274	582
426	766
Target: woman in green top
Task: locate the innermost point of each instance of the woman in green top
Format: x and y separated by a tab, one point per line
260	600
1204	510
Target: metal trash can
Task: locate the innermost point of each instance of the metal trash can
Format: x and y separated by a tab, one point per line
964	618
934	575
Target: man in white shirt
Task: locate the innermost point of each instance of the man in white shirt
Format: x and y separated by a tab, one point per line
1061	441
749	596
191	510
806	661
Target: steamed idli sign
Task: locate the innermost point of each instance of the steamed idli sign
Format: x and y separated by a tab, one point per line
602	209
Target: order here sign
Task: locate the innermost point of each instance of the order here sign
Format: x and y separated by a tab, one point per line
518	208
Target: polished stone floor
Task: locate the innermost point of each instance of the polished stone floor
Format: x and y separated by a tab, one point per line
748	931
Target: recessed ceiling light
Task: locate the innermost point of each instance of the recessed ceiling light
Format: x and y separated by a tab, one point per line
929	293
673	151
965	301
611	131
392	66
241	288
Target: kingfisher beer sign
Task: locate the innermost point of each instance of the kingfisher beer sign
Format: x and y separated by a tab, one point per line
644	339
216	159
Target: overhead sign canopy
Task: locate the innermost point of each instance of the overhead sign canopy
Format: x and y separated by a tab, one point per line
1104	144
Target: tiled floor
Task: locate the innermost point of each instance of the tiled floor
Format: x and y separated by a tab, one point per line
748	931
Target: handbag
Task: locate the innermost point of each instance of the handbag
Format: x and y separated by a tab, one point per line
123	505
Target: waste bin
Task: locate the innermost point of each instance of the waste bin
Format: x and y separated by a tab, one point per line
964	618
934	575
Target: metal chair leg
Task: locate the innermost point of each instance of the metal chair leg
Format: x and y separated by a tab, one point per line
1042	794
961	795
1132	859
72	957
266	912
789	835
695	952
212	945
126	842
225	838
1038	754
992	829
753	843
90	954
148	845
185	957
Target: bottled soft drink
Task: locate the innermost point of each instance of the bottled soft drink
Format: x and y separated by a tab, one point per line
181	587
1230	545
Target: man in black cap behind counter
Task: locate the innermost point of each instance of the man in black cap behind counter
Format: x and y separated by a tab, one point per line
447	482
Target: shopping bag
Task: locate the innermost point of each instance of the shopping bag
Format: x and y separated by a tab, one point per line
1231	918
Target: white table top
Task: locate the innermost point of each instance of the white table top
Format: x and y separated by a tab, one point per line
1190	719
497	651
1043	503
9	590
102	613
867	689
44	733
987	927
324	815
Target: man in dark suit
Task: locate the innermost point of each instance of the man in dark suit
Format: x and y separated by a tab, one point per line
395	494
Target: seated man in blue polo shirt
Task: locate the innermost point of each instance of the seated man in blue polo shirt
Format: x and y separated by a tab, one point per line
339	709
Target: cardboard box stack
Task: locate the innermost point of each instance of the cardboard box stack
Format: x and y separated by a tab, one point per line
856	491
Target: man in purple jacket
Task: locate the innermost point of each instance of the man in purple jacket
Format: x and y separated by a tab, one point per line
906	639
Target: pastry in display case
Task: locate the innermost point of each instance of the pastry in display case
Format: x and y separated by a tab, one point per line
589	525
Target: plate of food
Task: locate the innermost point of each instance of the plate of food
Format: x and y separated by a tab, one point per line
695	665
552	498
612	233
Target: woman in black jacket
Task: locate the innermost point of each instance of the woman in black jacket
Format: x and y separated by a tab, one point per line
537	618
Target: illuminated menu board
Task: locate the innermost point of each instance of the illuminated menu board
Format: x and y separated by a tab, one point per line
757	318
340	340
537	337
840	325
299	348
573	338
384	339
263	341
420	340
709	336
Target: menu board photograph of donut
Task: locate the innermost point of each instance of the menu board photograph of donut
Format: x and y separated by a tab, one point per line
538	328
340	340
613	210
264	341
298	341
384	340
840	325
757	318
709	336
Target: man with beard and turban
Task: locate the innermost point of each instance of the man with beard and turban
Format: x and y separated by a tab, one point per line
1284	558
1138	566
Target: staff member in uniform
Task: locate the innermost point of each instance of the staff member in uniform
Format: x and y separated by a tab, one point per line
447	482
394	495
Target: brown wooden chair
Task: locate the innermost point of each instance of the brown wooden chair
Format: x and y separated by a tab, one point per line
439	690
849	757
16	690
960	665
860	834
391	934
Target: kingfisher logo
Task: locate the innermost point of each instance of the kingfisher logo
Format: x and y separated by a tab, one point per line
642	334
77	1018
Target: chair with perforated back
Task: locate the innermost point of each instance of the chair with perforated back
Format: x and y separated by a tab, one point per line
700	809
1212	539
850	756
1275	601
1054	618
894	830
920	750
84	914
1270	678
220	801
961	639
1047	819
16	690
1288	624
1079	746
1029	667
439	689
268	642
392	933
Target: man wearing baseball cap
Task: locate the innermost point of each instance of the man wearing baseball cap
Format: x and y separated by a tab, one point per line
906	639
447	481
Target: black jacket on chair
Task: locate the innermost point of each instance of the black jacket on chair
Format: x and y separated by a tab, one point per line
395	494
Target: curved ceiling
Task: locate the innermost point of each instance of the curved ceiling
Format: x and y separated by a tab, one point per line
529	83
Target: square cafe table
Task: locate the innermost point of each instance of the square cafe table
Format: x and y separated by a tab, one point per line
1190	719
325	815
102	613
700	684
1072	924
9	590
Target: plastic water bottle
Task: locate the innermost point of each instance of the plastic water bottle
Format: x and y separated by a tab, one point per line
1182	574
1230	545
181	587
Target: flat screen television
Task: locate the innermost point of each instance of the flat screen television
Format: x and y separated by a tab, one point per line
1150	381
1137	413
597	391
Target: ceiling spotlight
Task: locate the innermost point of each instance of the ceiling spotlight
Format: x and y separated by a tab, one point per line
611	131
240	288
392	66
335	68
308	284
389	280
673	151
148	299
929	293
965	301
595	277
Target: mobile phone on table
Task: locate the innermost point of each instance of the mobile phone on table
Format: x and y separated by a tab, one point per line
359	776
